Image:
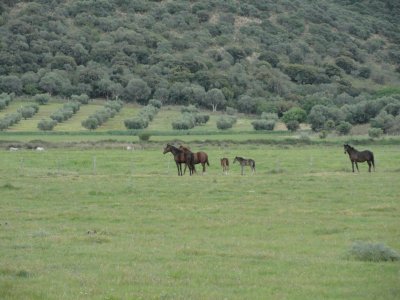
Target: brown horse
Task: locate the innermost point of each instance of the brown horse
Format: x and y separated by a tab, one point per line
359	156
180	157
198	158
225	165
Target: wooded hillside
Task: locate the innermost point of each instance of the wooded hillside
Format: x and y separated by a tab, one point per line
256	56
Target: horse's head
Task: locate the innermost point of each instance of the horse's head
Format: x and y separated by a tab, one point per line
347	147
167	149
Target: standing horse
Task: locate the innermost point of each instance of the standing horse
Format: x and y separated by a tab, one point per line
359	156
225	165
245	162
198	158
180	157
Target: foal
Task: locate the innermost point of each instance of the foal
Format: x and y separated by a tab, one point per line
245	162
225	165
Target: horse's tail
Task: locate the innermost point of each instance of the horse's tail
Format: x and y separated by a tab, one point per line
207	162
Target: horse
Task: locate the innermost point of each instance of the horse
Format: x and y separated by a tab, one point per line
245	162
359	156
180	157
198	158
225	165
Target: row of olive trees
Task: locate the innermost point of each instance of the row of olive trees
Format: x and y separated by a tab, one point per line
24	112
62	114
5	100
110	109
145	115
189	118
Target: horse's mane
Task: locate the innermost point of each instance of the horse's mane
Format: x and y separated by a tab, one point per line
350	147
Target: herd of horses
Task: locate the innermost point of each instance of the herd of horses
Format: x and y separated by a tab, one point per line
183	155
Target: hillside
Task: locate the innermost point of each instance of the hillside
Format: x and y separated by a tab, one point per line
251	55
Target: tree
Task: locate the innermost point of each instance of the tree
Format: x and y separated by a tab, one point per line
52	83
137	90
294	114
215	98
10	84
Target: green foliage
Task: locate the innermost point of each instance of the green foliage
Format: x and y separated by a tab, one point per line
293	125
373	252
263	124
247	55
82	98
294	114
46	125
375	133
225	122
343	128
136	123
42	99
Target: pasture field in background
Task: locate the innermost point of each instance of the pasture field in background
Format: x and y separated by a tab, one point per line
117	224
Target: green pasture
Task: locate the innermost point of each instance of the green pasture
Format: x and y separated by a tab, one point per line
117	224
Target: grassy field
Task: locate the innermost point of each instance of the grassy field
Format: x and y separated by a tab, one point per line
115	224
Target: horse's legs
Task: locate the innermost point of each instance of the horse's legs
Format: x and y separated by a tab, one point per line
352	165
369	165
357	167
204	167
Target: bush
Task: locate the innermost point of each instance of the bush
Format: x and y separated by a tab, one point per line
231	111
373	252
82	98
27	112
183	124
144	136
201	119
375	133
294	114
225	122
269	116
155	103
263	124
42	99
189	109
383	121
293	125
90	123
343	128
46	125
136	123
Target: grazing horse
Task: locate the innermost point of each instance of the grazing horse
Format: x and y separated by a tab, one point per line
198	158
225	165
180	157
245	162
359	156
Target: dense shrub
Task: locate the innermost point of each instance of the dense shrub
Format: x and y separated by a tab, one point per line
269	116
225	122
343	128
201	119
294	114
82	98
5	100
189	109
9	120
383	121
46	125
136	123
375	132
373	252
27	112
319	114
263	124
90	123
156	103
42	99
292	125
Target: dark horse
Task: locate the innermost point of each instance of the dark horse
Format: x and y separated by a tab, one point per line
245	162
359	156
198	158
180	157
225	165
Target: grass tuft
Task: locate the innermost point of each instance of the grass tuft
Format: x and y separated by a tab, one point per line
373	252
